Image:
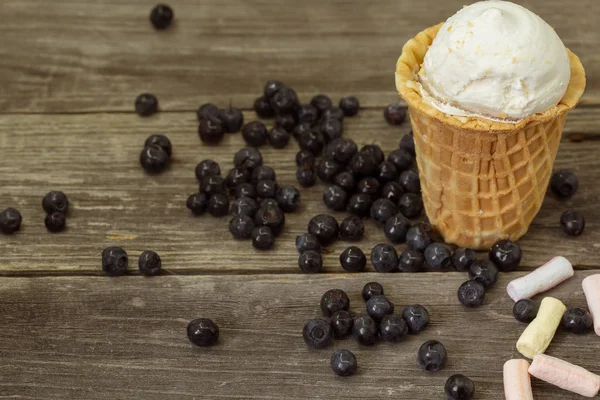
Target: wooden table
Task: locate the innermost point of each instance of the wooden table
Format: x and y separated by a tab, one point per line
69	73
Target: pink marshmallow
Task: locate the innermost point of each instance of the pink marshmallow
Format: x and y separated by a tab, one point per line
544	278
517	383
565	375
591	288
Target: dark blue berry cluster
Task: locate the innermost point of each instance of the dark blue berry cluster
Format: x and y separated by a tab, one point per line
215	122
56	206
115	262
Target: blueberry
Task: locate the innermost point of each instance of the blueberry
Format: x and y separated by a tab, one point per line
392	191
379	306
432	356
154	159
342	150
459	387
146	104
304	158
279	137
324	227
288	198
411	261
341	323
211	130
484	272
255	133
471	294
197	203
327	169
416	317
263	238
10	220
55	222
245	190
241	226
207	111
363	165
161	16
352	228
307	113
284	100
572	222
345	180
410	205
332	129
333	113
203	332
577	320
372	289
248	157
463	258
408	143
401	158
114	261
269	214
232	119
149	263
343	363
437	256
393	328
506	255
349	106
564	184
207	168
310	262
212	185
244	206
353	259
317	333
419	237
360	204
334	300
382	210
394	114
525	310
387	172
409	180
370	186
161	141
272	87
312	141
284	123
306	242
321	102
236	177
365	330
300	129
335	198
375	151
263	108
306	176
396	227
384	258
218	205
267	189
55	201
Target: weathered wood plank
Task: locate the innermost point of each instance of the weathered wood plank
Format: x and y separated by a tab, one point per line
97	56
103	338
94	159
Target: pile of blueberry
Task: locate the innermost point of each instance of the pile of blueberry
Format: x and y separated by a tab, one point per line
576	320
214	123
564	184
115	262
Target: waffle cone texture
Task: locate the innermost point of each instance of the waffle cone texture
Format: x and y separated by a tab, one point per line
481	180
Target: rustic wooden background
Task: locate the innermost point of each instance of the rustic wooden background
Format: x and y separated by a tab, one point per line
69	73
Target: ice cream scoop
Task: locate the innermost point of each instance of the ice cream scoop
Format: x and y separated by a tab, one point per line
497	60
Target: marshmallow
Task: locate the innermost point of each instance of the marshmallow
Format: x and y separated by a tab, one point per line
565	375
517	384
544	278
537	336
591	288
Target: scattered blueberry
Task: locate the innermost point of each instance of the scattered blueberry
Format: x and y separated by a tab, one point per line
288	198
272	87
255	133
525	310
197	203
284	123
432	356
306	176
363	164
324	227
161	141
244	206
114	261
372	289
416	317
305	157
341	323
342	150
300	129
463	258
232	119
334	300
379	306
55	201
317	333
10	220
210	130
55	222
269	214
312	141
349	106
161	16
327	169
207	111
212	185
353	259
564	184
577	320
410	205
203	332
306	242
248	157
392	191
335	198
360	204
310	262
370	186
384	258
393	328
154	159
321	102
402	159
146	104
382	210
410	182
411	261
236	176
419	237
459	387
506	255
572	222
345	180
437	256
218	205
394	114
332	129
396	227
471	294
284	100
263	108
279	137
352	228
245	190
207	168
484	272
333	113
149	263
241	226
343	363
266	189
375	151
365	330
307	113
387	172
408	143
263	238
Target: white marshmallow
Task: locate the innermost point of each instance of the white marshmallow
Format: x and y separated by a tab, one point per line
591	288
517	383
565	375
544	278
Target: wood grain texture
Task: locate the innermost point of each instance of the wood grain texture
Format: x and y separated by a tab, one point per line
105	338
79	55
94	159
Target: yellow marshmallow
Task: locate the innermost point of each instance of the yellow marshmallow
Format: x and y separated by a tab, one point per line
537	336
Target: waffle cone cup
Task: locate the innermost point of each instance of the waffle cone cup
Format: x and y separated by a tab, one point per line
481	180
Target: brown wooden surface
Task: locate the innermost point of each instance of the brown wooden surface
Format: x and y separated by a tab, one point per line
69	74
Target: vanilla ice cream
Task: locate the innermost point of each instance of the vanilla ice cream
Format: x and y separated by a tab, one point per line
497	60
